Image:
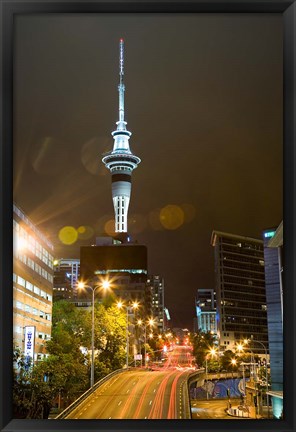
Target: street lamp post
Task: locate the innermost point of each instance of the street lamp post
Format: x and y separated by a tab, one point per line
105	285
266	373
233	362
207	377
151	322
134	305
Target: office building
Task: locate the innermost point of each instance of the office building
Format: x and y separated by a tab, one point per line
32	286
273	257
240	290
66	276
205	305
155	286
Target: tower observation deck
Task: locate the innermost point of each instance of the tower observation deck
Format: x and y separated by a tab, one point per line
121	161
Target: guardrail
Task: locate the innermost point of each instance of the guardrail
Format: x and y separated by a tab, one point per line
186	402
88	392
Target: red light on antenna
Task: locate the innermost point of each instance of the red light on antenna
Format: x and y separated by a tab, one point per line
121	40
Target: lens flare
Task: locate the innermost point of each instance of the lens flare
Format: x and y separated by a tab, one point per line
171	217
68	235
189	212
85	232
109	227
154	220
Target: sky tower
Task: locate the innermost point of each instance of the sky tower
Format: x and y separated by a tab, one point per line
121	161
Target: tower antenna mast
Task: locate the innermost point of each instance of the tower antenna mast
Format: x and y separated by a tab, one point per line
121	161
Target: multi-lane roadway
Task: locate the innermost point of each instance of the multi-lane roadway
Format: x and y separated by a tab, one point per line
142	394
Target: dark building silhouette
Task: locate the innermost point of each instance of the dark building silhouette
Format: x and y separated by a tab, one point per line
124	265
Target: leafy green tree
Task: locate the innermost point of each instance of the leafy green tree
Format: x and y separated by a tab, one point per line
201	342
65	374
22	369
110	336
226	361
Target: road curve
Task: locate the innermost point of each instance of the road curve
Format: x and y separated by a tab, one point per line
140	394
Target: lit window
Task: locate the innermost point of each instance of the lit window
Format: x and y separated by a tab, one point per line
21	281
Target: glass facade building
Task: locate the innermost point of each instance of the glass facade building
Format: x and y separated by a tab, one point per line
205	305
273	256
32	285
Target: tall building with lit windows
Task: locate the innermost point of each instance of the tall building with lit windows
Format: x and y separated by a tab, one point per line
155	286
121	161
32	286
66	276
240	289
205	305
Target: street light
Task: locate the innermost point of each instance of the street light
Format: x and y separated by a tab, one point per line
266	373
151	322
233	362
213	353
134	305
105	285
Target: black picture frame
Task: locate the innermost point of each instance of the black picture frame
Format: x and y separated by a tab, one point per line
9	9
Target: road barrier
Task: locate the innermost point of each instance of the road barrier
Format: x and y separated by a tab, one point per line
88	392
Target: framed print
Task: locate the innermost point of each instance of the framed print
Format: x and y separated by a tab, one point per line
147	215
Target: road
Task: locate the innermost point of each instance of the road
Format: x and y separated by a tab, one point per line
212	409
141	393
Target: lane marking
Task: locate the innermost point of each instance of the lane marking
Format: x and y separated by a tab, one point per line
154	390
145	417
109	418
150	402
128	390
119	403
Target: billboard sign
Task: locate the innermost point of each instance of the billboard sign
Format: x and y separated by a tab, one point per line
29	341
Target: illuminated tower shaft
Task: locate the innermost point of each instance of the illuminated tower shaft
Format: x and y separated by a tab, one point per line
120	161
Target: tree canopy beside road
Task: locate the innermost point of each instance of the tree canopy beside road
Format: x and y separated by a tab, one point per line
64	374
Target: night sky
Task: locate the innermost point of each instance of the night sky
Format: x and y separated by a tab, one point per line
203	101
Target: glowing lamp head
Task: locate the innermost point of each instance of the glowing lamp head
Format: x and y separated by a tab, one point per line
80	285
212	351
135	305
239	347
151	322
106	285
119	305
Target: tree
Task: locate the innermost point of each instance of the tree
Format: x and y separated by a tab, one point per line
226	361
201	343
110	336
65	373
